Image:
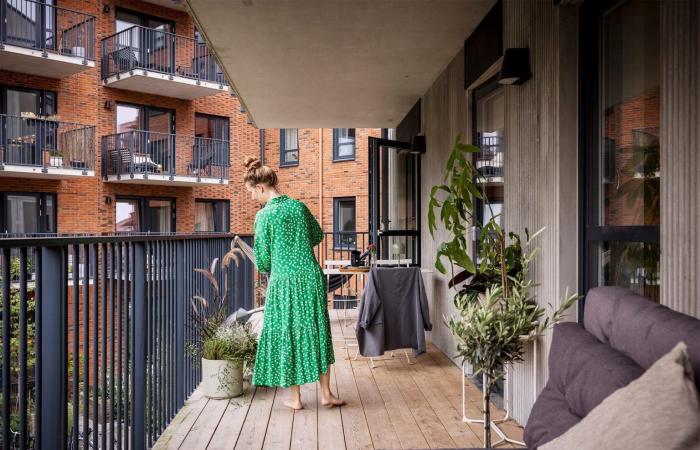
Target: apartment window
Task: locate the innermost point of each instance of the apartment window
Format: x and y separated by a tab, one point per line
211	216
621	146
212	143
149	131
488	117
289	146
144	214
27	213
344	224
19	134
343	144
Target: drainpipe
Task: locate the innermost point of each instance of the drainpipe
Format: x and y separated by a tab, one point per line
320	177
262	146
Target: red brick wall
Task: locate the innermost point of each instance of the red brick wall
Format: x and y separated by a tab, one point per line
82	203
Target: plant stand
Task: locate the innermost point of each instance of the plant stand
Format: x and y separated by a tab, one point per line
507	401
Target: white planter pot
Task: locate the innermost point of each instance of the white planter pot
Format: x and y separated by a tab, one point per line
222	379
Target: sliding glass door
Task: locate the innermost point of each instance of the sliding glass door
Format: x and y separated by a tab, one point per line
621	146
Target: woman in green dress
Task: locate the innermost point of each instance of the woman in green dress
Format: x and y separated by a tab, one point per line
295	344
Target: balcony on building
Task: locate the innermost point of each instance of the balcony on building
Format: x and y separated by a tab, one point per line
43	147
156	62
42	39
148	157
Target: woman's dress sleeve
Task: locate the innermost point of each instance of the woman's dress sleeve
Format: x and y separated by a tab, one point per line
314	229
261	246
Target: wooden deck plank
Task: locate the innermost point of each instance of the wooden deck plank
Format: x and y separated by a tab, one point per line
252	434
203	429
450	416
355	426
177	431
428	422
400	415
279	428
231	422
330	423
380	426
305	428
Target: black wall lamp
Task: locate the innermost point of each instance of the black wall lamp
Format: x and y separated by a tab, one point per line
109	104
418	144
515	68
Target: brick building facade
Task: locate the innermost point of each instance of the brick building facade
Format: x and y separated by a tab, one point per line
87	204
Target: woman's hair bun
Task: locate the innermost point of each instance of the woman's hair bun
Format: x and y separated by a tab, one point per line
252	163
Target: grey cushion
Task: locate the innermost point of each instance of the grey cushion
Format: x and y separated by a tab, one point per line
585	370
550	417
640	328
659	410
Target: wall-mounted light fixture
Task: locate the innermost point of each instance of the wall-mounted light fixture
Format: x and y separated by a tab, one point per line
108	199
106	9
515	68
242	108
109	104
418	144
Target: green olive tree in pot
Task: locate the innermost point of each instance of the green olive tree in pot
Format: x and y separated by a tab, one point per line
494	296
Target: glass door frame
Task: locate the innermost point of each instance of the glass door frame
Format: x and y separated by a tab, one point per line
376	155
591	231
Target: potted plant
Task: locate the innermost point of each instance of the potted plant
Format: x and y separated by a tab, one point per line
496	305
220	348
225	356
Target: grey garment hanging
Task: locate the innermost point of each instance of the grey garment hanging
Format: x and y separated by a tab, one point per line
393	312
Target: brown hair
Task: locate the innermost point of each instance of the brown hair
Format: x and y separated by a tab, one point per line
257	173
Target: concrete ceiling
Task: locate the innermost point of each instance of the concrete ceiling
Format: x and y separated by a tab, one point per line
334	63
172	4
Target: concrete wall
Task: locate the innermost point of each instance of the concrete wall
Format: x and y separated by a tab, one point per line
680	156
540	167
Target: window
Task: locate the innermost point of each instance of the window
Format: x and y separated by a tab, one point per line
19	135
27	213
289	147
621	146
344	226
343	144
211	216
148	130
142	214
212	143
488	117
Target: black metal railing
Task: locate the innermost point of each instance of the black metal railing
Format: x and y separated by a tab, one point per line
159	51
489	161
42	141
94	350
37	25
148	152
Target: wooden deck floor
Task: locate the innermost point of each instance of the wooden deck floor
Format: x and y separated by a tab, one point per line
394	405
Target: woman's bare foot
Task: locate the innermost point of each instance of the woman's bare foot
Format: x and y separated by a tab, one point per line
296	405
332	400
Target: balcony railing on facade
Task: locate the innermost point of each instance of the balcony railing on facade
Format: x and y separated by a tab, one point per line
489	162
157	62
93	344
42	39
41	147
147	157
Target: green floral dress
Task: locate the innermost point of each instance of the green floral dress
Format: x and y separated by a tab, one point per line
295	343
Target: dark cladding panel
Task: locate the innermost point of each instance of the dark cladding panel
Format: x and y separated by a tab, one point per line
410	125
484	46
